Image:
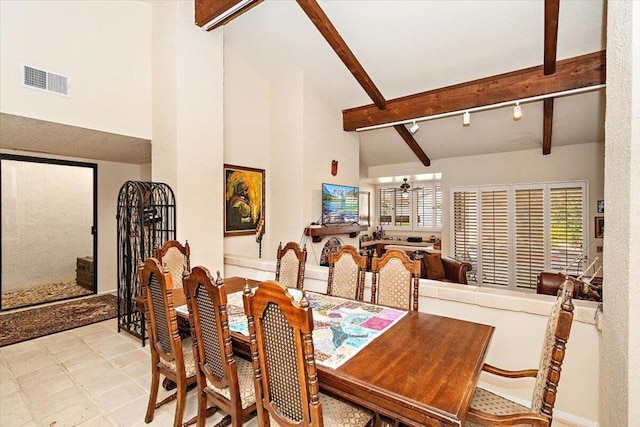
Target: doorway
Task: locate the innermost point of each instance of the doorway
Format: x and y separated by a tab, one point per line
49	230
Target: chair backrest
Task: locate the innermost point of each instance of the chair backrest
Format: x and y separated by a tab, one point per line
175	257
213	351
160	311
346	273
290	265
395	280
280	332
553	350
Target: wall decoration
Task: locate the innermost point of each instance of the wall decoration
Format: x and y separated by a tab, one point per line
600	206
333	245
243	200
599	227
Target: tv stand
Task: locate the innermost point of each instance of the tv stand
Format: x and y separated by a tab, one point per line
318	233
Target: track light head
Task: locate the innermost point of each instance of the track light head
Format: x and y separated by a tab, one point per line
517	112
466	118
414	128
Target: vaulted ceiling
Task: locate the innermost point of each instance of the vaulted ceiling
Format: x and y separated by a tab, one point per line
409	47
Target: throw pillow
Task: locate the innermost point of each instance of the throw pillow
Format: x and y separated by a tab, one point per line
435	269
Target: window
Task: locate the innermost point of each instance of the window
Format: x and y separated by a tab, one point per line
419	209
511	233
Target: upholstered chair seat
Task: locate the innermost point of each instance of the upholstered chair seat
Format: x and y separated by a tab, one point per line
245	382
187	351
484	400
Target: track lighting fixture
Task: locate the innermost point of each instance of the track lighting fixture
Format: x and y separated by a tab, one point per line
466	114
414	128
517	112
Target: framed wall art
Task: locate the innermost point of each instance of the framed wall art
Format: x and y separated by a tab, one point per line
243	200
600	206
599	227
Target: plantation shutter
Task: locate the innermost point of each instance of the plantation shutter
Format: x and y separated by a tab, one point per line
495	237
567	228
425	209
403	209
529	236
385	205
437	207
465	226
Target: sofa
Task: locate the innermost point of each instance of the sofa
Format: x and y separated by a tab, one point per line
443	268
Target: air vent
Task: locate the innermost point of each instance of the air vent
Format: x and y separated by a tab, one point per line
45	80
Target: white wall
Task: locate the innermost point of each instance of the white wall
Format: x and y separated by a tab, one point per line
47	212
621	318
246	140
566	163
103	47
111	176
289	129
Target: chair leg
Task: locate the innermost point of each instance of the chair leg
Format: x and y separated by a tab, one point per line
153	395
202	407
181	395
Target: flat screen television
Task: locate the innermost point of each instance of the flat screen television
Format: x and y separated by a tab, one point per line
339	204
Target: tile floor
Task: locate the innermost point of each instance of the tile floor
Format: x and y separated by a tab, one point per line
91	376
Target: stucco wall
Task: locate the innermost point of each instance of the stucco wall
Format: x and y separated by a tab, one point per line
47	213
103	47
619	363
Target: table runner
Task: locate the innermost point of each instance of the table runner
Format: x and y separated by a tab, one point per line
341	327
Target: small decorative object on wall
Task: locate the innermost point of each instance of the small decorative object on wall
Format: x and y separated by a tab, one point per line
599	224
334	167
600	206
243	199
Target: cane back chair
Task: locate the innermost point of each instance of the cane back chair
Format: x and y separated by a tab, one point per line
395	280
225	380
176	258
346	273
286	380
489	409
290	265
171	356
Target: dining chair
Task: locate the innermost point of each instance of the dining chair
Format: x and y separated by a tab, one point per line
286	379
346	273
171	356
290	265
395	280
488	408
176	257
223	379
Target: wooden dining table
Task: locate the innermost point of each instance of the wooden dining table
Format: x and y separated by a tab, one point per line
422	371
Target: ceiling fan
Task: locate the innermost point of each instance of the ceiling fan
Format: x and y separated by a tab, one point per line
405	186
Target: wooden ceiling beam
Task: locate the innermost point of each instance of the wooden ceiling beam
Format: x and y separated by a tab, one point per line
331	35
340	47
411	142
573	73
206	11
551	13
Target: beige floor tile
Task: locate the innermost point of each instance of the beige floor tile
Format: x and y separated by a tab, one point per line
72	415
20	347
100	421
138	369
15	412
56	402
115	349
75	351
47	388
84	360
90	370
131	357
105	383
119	396
133	413
89	329
27	365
